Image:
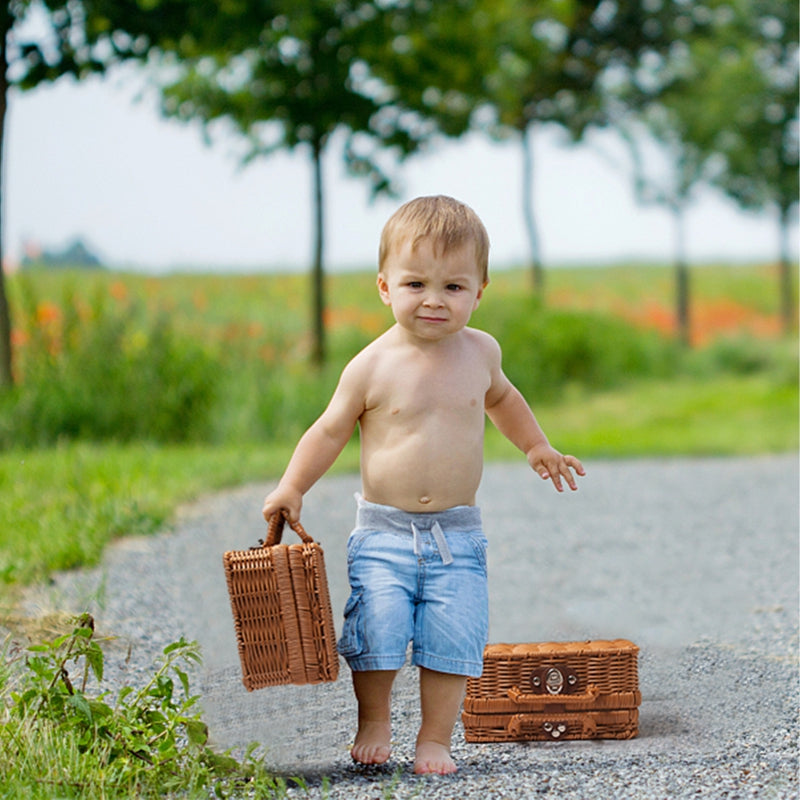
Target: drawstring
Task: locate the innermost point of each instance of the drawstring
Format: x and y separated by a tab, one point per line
441	543
438	537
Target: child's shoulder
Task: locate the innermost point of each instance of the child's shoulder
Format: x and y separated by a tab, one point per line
367	358
482	341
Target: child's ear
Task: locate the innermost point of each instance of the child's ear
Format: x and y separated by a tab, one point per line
383	289
480	295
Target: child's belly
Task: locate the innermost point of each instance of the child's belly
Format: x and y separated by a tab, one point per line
419	476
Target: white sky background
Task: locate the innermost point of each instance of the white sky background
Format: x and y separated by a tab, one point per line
87	160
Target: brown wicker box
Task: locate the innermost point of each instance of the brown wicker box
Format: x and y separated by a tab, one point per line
554	691
282	610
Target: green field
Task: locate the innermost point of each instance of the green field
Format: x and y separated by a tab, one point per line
138	393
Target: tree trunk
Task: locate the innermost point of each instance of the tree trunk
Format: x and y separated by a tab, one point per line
787	304
318	352
529	213
6	374
682	289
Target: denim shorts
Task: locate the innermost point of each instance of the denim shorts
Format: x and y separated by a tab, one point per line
417	578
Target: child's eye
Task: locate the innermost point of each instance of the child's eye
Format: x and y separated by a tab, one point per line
453	287
415	284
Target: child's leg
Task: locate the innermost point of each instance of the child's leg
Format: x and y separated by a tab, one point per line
373	689
441	695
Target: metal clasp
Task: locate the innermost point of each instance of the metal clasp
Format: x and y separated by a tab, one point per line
554	680
555	729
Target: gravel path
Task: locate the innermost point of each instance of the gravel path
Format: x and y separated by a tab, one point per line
694	560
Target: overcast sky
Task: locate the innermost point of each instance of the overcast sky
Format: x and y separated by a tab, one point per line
88	160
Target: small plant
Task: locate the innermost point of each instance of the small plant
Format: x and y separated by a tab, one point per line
57	740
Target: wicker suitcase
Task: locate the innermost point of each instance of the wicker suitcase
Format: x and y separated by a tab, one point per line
554	691
282	610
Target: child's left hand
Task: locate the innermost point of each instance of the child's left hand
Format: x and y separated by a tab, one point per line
547	462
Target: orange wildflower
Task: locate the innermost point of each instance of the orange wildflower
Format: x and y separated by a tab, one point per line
47	314
713	318
119	291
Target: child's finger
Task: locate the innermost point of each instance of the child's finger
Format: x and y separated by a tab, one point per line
575	464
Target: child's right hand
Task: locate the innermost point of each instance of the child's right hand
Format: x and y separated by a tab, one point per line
281	498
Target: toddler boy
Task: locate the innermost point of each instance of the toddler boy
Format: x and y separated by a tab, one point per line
417	556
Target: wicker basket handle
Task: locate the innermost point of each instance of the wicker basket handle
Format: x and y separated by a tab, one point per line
275	529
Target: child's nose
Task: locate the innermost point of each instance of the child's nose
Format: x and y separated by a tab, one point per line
433	300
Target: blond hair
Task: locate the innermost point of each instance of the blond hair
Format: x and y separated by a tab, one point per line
448	222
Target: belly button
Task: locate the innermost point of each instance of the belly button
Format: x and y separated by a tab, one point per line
424	500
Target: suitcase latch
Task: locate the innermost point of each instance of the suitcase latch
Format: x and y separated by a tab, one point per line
555	730
554	680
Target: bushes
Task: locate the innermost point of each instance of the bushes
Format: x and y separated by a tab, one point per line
747	355
119	369
96	373
546	350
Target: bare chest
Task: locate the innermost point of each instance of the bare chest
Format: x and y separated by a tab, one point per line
407	392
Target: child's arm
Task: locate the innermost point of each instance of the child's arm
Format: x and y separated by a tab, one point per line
513	417
320	445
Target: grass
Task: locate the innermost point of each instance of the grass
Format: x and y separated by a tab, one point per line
61	506
266	306
62	503
684	417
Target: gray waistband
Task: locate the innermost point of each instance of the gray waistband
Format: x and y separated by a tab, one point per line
380	517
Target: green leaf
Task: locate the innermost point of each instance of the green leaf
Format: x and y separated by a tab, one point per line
100	709
184	679
181	643
81	705
94	657
123	693
197	731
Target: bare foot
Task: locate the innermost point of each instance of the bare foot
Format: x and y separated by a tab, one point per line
373	743
433	757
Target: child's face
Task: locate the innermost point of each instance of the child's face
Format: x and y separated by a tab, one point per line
432	294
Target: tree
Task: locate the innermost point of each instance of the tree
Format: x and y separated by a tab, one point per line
511	66
683	167
654	98
500	65
283	74
722	104
29	56
740	107
42	41
548	59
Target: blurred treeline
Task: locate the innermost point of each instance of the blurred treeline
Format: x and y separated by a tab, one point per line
713	83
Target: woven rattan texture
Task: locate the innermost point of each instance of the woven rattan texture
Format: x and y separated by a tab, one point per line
595	697
610	666
621	724
282	615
